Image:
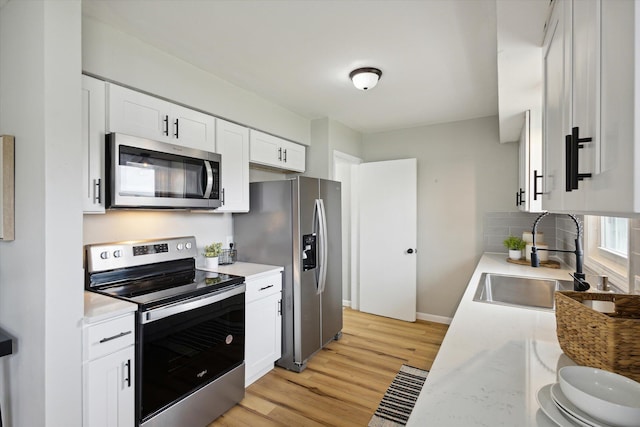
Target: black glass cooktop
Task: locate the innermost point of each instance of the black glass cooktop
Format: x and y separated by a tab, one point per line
160	285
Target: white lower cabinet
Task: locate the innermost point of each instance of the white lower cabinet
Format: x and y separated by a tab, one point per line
108	373
263	329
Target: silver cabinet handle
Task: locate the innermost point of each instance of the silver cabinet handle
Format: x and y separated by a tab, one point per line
120	335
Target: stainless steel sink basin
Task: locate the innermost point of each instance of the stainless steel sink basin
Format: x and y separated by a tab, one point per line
519	291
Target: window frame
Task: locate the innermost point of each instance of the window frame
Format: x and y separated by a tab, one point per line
604	261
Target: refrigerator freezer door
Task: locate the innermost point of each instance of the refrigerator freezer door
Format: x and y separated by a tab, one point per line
306	307
331	301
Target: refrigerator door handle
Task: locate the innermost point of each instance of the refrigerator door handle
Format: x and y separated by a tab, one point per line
322	237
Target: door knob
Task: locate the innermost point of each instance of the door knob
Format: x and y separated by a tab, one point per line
409	251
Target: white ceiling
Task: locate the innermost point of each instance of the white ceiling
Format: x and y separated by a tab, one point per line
438	57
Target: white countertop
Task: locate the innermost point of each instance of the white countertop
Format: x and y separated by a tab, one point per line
493	360
98	307
246	269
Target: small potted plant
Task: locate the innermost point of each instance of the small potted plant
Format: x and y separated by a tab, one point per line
211	254
515	245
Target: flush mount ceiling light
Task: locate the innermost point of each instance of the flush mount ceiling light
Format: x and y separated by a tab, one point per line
365	78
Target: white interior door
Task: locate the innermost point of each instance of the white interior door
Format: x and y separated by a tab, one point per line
388	226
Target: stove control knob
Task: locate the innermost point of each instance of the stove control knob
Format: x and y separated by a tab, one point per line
187	245
117	253
104	255
180	246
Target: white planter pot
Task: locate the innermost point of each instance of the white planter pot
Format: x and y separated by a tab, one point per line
211	263
515	254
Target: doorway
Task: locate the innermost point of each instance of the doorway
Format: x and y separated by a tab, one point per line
343	171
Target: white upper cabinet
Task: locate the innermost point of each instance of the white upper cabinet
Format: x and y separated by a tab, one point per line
232	142
93	131
529	195
269	150
135	113
590	146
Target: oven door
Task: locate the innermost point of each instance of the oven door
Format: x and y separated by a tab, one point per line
142	173
185	346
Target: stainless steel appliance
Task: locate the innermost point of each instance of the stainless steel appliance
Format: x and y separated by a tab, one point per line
146	174
189	331
297	224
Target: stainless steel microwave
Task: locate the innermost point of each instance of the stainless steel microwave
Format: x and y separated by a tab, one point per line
146	174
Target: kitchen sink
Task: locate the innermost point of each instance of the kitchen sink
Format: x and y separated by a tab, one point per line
519	291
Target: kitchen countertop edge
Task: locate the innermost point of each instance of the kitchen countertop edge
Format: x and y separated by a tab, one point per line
493	360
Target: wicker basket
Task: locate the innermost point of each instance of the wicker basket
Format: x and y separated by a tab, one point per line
606	341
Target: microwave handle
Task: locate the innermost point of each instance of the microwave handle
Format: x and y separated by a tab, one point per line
209	187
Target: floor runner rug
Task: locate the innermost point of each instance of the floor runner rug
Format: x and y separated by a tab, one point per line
400	397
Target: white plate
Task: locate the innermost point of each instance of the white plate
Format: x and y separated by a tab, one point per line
561	400
550	409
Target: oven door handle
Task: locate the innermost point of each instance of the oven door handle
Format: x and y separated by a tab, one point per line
182	306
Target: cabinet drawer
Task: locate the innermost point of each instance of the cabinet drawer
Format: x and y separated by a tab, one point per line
263	287
109	336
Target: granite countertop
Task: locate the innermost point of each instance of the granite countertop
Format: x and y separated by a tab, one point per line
493	360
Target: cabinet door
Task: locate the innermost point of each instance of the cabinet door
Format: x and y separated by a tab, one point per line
265	149
192	128
293	156
232	142
556	95
614	188
263	336
93	131
138	114
269	150
109	390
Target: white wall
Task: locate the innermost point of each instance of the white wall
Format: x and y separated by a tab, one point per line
328	136
41	279
116	56
463	171
116	226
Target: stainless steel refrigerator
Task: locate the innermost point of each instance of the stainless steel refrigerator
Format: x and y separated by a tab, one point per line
295	223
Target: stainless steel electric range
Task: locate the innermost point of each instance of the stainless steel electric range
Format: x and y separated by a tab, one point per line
189	332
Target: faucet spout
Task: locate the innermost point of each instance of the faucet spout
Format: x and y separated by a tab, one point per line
579	283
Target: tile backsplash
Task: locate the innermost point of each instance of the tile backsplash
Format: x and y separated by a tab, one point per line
499	225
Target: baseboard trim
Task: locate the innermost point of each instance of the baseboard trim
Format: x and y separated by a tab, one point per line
419	316
434	318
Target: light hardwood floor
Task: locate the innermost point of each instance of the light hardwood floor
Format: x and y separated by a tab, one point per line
344	382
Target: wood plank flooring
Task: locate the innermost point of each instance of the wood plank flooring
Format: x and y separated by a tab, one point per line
344	382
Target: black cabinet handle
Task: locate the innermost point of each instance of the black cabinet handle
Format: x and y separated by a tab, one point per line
285	156
568	163
166	125
573	144
177	129
578	143
128	379
536	193
280	153
97	197
519	198
222	198
266	287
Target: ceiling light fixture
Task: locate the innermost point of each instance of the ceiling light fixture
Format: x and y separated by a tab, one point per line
365	78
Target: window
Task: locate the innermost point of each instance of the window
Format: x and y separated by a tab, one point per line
607	247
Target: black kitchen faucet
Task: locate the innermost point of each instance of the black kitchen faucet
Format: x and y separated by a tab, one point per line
579	284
